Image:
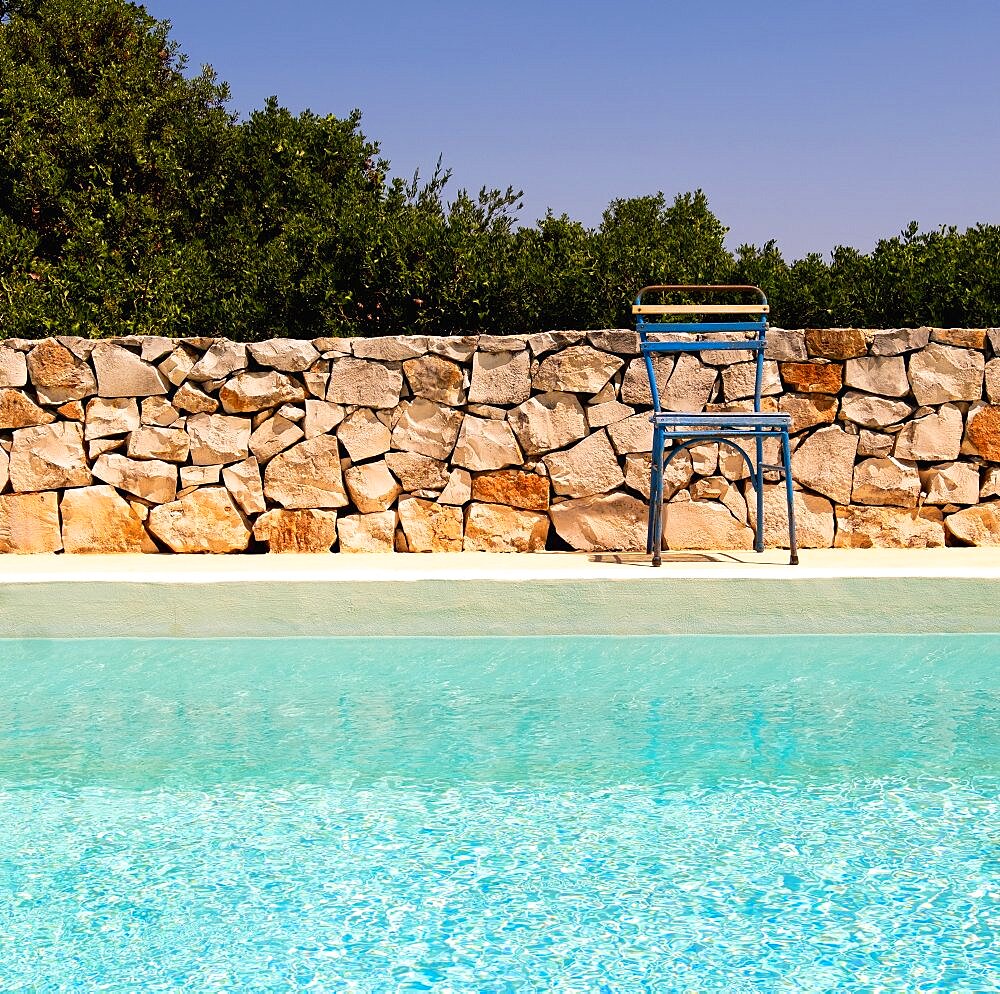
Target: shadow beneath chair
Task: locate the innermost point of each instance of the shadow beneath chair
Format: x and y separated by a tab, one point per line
645	559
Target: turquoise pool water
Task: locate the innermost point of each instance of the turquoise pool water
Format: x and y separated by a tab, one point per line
681	814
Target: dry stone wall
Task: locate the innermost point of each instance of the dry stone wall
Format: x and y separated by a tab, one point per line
504	444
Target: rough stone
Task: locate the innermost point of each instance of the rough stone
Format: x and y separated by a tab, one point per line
717	488
886	482
513	488
29	523
198	476
367	532
550	341
705	458
703	525
364	384
317	381
218	438
72	410
940	373
205	520
992	379
935	437
303	531
57	375
502	343
222	360
500	528
274	435
321	417
966	338
873	443
288	355
179	364
812	377
485	444
835	343
618	340
869	411
363	435
256	391
884	375
458	490
153	442
984	430
727	357
578	369
158	411
548	421
610	412
951	483
121	373
107	417
690	386
307	475
635	382
13	368
500	378
899	340
785	345
19	411
979	525
243	481
371	487
430	527
155	347
48	457
194	401
149	479
886	528
4	469
634	434
809	409
606	523
990	486
738	380
98	520
389	350
588	468
426	427
459	348
437	379
814	519
678	473
825	462
416	472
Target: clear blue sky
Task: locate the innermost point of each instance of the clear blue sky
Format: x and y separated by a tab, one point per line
815	123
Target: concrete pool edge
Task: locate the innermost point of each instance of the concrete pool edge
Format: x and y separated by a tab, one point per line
833	591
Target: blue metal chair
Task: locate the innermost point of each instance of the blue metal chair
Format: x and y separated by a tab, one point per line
684	430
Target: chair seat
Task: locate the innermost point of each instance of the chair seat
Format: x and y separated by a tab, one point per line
722	419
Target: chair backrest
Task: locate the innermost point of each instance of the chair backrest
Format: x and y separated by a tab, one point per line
740	316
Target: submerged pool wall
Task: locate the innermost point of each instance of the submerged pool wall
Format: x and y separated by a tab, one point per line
486	443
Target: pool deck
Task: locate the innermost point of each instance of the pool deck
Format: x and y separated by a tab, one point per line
831	591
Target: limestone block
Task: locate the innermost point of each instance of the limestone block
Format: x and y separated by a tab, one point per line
363	435
101	445
979	525
317	381
940	373
814	520
273	436
618	340
835	343
426	427
13	368
48	457
29	523
72	410
732	465
869	411
899	340
824	462
966	338
99	520
635	382
705	458
984	430
19	411
58	375
607	523
728	357
458	490
218	438
256	391
634	434
935	437
992	378
199	476
205	520
287	355
717	488
107	417
395	349
336	346
886	482
156	411
321	417
194	401
303	531
416	472
502	343
951	483
430	527
4	469
367	532
371	487
677	475
364	384
243	481
437	379
179	364
150	479
703	525
486	444
459	348
222	360
690	386
513	488
874	443
307	475
812	377
887	528
548	421
155	347
990	486
785	345
551	341
739	379
121	373
809	409
588	468
601	415
578	369
500	378
154	442
500	528
883	375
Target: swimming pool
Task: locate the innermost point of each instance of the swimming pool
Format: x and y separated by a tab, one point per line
577	814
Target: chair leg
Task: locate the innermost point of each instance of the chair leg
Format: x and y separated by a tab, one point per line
655	473
758	543
786	459
656	498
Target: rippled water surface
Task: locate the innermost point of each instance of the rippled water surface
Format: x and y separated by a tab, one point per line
678	814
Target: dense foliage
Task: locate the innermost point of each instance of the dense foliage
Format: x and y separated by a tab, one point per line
132	201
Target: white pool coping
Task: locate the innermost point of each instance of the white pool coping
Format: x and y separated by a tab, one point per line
830	591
